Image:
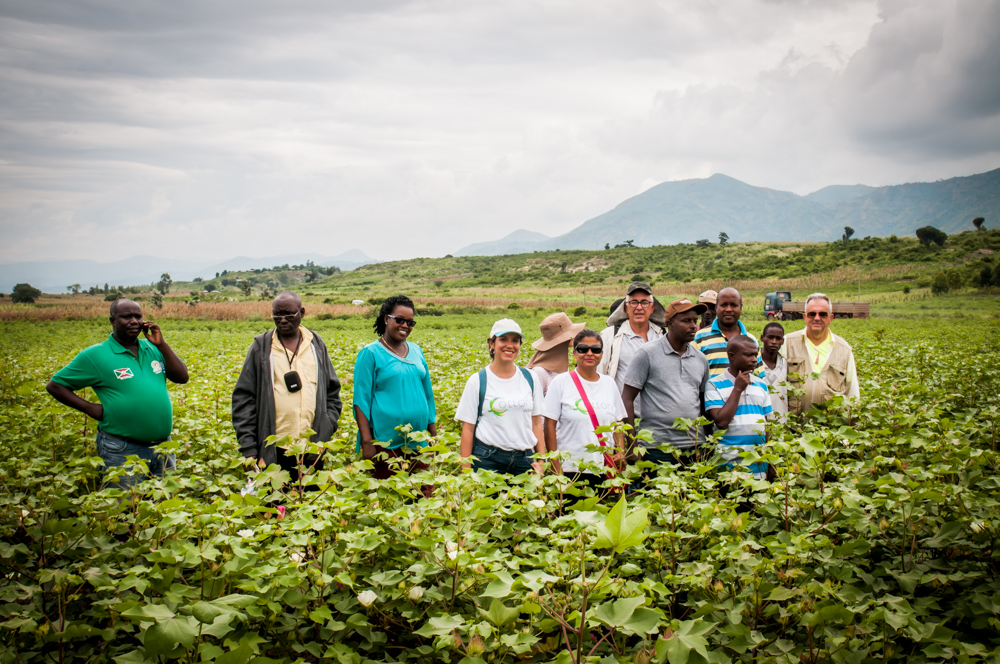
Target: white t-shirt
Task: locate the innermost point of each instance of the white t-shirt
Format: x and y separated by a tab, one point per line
574	430
506	418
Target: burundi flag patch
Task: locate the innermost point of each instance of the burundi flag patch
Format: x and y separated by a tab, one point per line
122	374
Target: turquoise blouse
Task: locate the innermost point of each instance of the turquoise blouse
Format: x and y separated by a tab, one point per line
391	391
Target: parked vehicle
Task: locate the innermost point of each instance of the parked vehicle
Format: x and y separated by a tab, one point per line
779	306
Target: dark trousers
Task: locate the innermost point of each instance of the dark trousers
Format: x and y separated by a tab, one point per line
501	461
382	469
289	463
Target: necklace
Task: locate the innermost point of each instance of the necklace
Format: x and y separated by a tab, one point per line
391	349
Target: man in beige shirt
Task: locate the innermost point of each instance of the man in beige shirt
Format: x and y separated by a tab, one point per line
287	386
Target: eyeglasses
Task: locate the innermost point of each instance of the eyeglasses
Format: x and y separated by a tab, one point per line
583	349
636	304
408	322
819	314
280	317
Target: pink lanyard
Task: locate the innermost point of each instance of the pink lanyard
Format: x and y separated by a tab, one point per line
608	460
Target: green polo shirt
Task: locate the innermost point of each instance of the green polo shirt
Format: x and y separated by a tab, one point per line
132	390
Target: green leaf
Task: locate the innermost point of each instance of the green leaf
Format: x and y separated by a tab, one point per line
163	636
500	614
240	655
620	530
321	614
643	621
155	612
780	594
440	625
946	535
499	587
618	612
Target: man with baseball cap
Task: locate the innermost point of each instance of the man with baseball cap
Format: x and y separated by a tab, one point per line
638	320
708	298
671	375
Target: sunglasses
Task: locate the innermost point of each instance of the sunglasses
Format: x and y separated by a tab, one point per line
583	349
281	317
408	322
817	314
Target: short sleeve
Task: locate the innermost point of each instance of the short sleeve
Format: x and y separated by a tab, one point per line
766	400
713	397
78	374
552	406
469	403
364	381
704	376
537	396
638	370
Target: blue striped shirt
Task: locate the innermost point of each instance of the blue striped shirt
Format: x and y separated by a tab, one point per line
747	426
712	343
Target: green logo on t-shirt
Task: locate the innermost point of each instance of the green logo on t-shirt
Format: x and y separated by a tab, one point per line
498	413
578	406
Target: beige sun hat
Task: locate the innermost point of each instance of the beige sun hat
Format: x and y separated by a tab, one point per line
556	329
708	297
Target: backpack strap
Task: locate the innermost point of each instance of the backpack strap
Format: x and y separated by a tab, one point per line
531	381
482	400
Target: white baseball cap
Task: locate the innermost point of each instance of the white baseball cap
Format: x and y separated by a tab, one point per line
505	325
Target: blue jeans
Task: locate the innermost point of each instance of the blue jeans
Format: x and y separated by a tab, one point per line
113	451
501	461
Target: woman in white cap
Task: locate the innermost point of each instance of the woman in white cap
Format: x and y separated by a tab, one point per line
501	409
551	356
577	404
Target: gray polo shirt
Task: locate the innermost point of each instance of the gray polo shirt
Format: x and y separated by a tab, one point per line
672	385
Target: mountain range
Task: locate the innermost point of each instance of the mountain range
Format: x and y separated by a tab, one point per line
686	211
55	276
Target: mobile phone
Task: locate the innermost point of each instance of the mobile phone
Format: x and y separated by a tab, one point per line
145	326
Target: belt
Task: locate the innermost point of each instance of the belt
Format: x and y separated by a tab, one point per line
136	441
525	453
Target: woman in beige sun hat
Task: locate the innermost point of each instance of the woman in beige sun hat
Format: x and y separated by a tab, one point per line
551	356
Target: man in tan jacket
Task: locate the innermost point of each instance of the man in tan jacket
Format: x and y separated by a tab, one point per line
819	362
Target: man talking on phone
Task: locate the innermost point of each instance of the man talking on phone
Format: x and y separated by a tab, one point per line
287	386
130	376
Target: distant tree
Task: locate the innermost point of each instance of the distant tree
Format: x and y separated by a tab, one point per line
929	234
624	245
246	287
216	275
955	279
156	300
106	289
978	223
723	239
996	276
848	233
265	294
580	311
607	246
163	285
448	256
940	284
703	243
24	294
74	289
210	287
115	294
985	276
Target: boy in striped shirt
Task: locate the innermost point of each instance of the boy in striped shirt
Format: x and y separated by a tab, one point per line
738	402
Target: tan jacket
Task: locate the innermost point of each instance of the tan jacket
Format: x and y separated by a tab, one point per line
837	378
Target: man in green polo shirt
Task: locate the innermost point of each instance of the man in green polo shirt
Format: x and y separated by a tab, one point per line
129	376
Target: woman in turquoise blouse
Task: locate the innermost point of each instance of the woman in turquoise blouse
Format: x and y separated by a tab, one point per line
392	386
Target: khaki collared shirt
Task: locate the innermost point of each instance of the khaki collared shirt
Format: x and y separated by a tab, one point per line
294	412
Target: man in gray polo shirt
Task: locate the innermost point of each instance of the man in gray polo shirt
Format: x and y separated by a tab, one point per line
671	375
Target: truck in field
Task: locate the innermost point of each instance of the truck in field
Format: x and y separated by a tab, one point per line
779	306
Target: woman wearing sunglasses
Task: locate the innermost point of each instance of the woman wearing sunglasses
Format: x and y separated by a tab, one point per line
392	386
501	409
577	403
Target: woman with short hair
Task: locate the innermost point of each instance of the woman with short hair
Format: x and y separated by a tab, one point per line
392	385
577	403
501	408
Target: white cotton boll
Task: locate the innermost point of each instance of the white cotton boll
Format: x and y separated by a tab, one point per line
249	489
245	533
416	592
367	598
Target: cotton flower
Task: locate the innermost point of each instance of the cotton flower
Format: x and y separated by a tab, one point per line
452	549
297	557
416	592
250	489
367	598
281	512
538	503
246	533
25	513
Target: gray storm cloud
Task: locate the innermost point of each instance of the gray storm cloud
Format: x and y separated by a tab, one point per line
413	128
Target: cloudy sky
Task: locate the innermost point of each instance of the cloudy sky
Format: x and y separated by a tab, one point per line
208	129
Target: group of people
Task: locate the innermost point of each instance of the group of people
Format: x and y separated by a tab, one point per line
653	367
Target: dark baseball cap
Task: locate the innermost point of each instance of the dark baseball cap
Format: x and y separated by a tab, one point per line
639	285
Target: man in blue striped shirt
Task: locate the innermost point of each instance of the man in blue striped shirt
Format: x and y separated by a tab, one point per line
738	402
712	340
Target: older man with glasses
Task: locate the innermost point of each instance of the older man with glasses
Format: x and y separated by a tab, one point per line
638	320
819	362
287	386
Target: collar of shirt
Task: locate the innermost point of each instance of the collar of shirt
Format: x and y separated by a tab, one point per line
626	330
668	348
276	344
715	326
116	346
